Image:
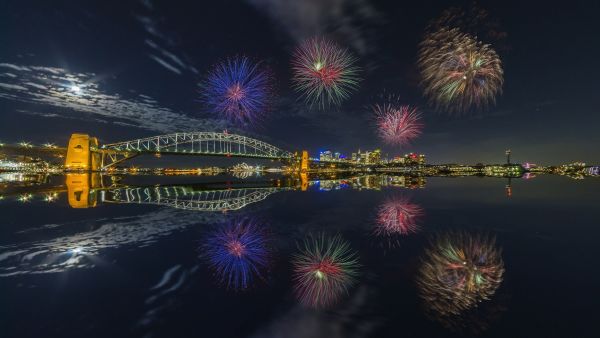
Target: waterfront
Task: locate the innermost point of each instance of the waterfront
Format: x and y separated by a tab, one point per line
123	269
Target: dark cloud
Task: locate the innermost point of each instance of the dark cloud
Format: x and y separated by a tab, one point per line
347	20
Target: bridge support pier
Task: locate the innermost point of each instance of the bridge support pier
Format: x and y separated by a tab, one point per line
80	155
80	189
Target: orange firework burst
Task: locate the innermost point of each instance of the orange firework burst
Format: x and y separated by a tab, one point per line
459	271
459	73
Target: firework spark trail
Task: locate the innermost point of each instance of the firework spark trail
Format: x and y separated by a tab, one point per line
459	271
323	270
324	73
397	124
239	90
458	73
398	216
237	253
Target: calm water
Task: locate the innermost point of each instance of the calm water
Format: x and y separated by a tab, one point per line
461	259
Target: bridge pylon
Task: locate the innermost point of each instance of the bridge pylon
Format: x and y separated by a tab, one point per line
304	162
80	155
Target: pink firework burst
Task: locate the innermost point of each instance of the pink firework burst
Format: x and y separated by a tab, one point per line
398	216
397	124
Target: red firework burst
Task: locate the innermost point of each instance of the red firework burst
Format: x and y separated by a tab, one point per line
324	270
397	216
324	73
397	124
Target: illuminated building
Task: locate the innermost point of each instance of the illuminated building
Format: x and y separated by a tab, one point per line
325	155
374	157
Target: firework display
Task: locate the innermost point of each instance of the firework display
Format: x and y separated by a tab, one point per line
238	253
398	216
324	73
239	90
397	124
473	20
459	271
458	73
324	270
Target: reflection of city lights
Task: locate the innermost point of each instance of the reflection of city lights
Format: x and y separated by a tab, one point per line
25	198
51	197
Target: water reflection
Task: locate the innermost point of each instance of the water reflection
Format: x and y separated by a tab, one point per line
398	216
89	190
459	273
238	253
83	249
324	270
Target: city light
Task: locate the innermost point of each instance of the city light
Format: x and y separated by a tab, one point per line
25	144
25	198
49	145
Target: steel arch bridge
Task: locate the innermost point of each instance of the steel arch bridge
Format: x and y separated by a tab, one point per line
185	198
202	143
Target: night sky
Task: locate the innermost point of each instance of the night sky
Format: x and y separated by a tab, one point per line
140	65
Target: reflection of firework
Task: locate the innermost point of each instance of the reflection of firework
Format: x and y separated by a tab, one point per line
397	216
459	271
323	270
237	253
238	89
458	72
324	73
397	124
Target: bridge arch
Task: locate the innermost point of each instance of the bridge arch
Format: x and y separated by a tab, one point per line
202	143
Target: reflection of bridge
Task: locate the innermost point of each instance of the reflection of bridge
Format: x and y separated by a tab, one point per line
182	197
84	152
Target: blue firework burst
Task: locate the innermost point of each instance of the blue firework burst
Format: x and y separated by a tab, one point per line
239	90
238	253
